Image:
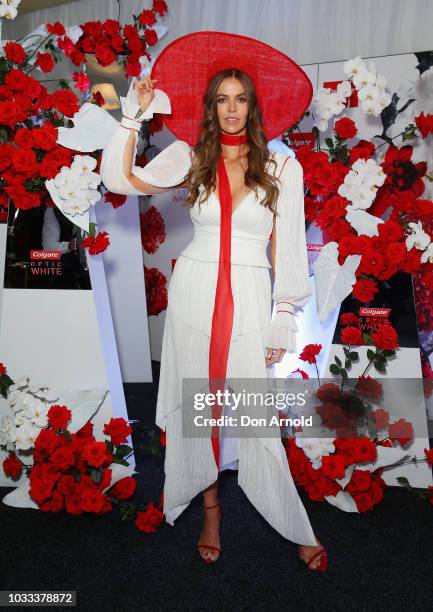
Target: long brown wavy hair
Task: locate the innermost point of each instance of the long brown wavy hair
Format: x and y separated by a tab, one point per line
203	169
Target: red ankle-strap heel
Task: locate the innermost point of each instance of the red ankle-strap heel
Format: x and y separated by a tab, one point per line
209	546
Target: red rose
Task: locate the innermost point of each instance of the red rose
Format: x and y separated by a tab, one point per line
45	137
2	369
86	431
65	101
12	467
429	455
47	440
309	352
111	26
160	7
59	416
15	52
56	28
55	504
92	500
96	244
425	124
96	454
360	481
62	457
24	160
152	227
148	521
147	18
39	490
352	336
381	418
156	290
124	488
45	62
363	150
151	37
333	466
345	128
396	251
363	501
390	230
115	199
133	68
364	290
118	430
369	387
385	337
363	449
349	318
66	484
402	431
105	55
329	392
73	503
16	80
8	113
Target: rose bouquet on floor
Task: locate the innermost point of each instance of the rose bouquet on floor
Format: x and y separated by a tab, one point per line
61	464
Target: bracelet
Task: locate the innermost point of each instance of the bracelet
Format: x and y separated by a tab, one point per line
286	311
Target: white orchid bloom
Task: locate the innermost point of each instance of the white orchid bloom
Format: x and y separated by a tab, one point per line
25	436
75	206
380	81
370	92
83	163
353	66
8	11
89	180
344	89
364	79
427	256
417	238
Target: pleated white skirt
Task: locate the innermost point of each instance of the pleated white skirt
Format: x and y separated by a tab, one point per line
263	471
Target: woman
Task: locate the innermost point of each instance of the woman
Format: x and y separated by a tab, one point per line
218	317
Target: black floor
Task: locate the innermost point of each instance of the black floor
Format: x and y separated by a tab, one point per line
381	560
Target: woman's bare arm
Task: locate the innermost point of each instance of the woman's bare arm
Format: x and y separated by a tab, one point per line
128	163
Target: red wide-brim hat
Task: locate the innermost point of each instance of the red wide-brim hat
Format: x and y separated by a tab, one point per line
185	66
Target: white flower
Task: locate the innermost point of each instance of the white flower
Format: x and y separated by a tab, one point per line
74	206
417	238
83	163
26	436
363	79
316	448
8	11
353	66
370	92
7	432
344	89
427	256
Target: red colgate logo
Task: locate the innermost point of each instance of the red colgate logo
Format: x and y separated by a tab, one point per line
45	255
374	312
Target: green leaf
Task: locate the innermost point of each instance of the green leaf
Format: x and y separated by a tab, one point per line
329	142
347	363
388	353
370	354
119	460
123	450
353	355
380	366
344	374
402	480
96	475
334	369
337	360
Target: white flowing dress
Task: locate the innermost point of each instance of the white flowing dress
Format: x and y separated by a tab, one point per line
190	467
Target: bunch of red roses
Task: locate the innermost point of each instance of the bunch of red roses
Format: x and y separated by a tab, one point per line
385	254
366	488
71	470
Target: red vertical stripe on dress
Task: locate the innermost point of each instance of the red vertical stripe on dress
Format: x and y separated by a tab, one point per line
222	319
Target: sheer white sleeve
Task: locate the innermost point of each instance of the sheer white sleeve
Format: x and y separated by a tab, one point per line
291	283
167	169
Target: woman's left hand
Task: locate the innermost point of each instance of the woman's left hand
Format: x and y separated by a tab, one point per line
273	355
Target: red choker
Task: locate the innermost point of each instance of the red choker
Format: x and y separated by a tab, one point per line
232	139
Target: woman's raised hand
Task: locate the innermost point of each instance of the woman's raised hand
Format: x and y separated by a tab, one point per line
145	92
